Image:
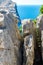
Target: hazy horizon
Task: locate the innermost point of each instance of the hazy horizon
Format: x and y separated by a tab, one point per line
28	2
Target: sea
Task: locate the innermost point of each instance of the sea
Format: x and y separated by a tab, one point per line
28	11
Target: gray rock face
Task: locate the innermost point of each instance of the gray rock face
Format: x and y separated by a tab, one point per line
28	50
4	2
40	20
28	55
42	43
6	49
9	41
27	26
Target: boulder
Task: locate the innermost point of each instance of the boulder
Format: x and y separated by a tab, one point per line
10	43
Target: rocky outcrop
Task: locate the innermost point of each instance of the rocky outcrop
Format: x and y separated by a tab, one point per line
28	54
28	50
10	43
40	26
37	47
27	26
14	49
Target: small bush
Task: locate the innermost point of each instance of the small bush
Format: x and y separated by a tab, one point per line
41	9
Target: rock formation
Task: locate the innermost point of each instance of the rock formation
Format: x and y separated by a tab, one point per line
10	53
14	49
38	45
40	20
27	26
28	43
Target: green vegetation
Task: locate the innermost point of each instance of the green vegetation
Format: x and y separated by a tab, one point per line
20	28
34	21
41	9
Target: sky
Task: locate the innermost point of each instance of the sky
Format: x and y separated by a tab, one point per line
28	2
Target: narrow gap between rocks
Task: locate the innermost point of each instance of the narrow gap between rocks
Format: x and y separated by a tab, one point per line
21	50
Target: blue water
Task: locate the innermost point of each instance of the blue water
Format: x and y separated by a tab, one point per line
27	11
